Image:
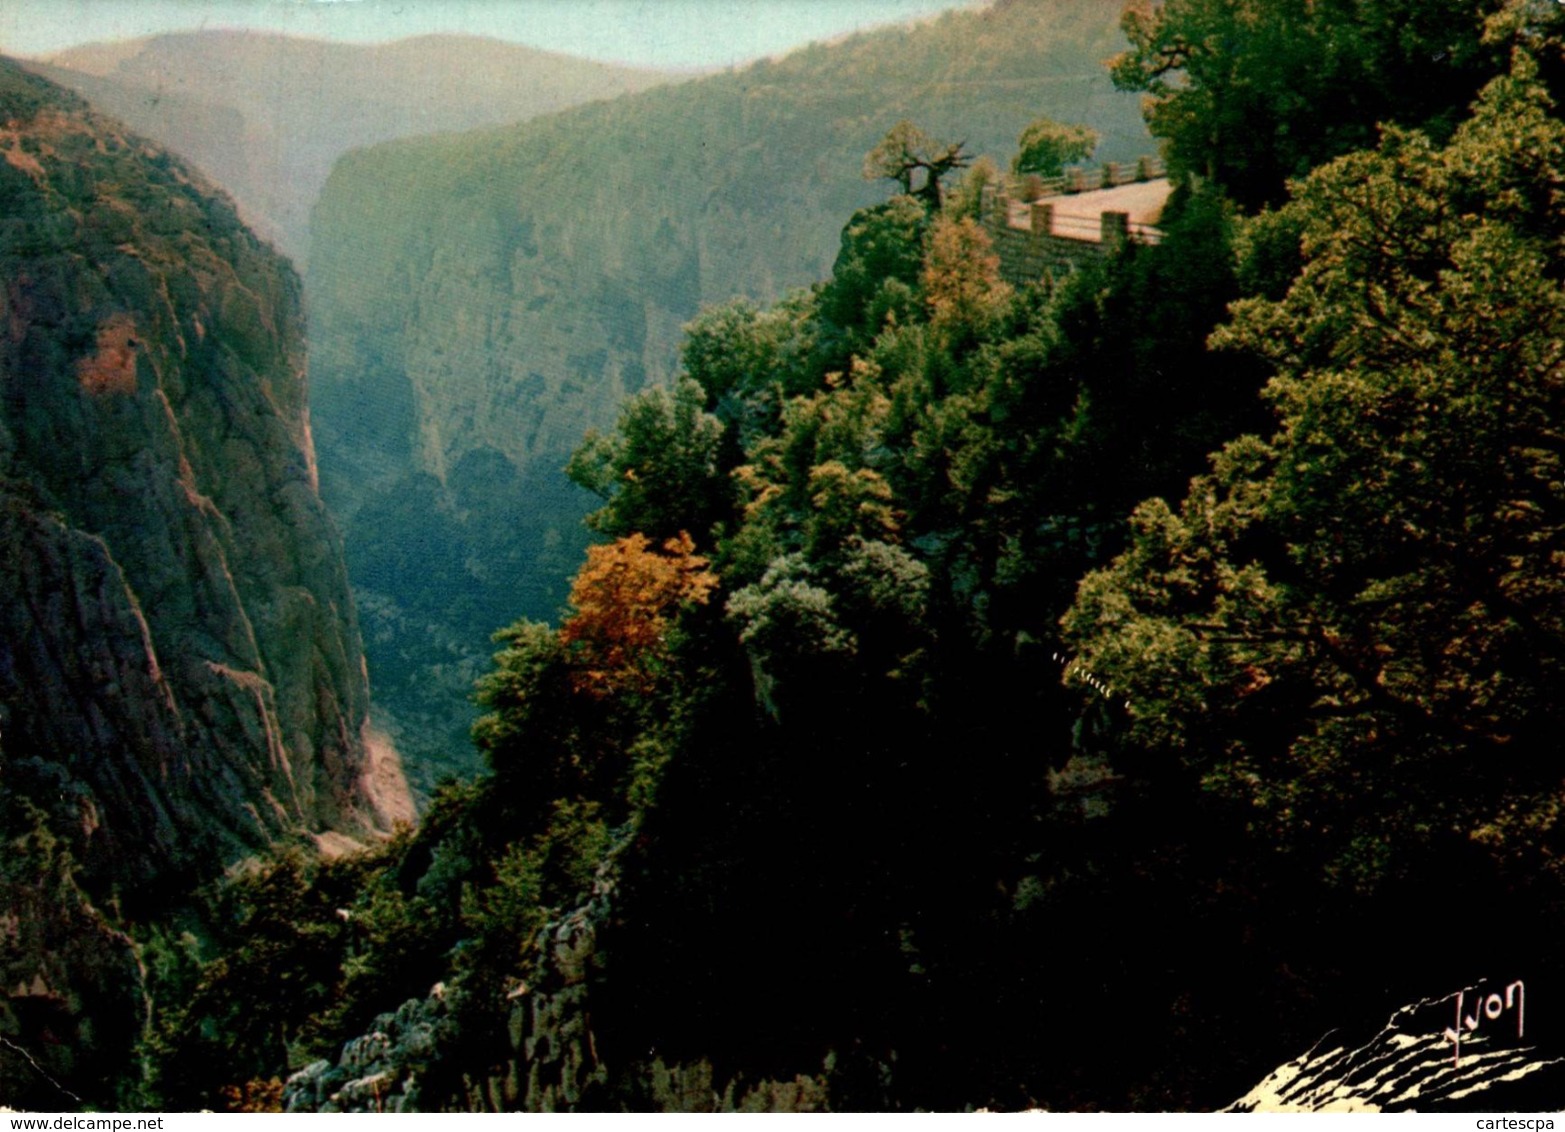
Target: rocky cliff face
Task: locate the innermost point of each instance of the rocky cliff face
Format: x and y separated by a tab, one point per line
180	668
181	679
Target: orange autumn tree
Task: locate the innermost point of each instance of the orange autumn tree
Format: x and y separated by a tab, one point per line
962	284
625	599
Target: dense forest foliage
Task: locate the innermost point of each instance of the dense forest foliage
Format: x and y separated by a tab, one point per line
480	300
1079	694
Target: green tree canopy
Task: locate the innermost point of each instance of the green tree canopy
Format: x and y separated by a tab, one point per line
658	471
1251	92
1356	629
1046	147
877	269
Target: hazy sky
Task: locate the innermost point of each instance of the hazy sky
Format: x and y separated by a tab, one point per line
664	33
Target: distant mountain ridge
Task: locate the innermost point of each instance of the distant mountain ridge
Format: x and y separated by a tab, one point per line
267	115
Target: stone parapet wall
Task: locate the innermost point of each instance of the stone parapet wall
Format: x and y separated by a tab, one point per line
1034	238
1026	256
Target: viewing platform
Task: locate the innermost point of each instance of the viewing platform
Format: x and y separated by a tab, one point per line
1061	223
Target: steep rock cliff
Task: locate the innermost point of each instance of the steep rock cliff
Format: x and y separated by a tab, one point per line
180	669
181	679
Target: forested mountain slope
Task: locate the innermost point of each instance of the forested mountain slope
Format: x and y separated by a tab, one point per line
479	301
267	115
181	676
